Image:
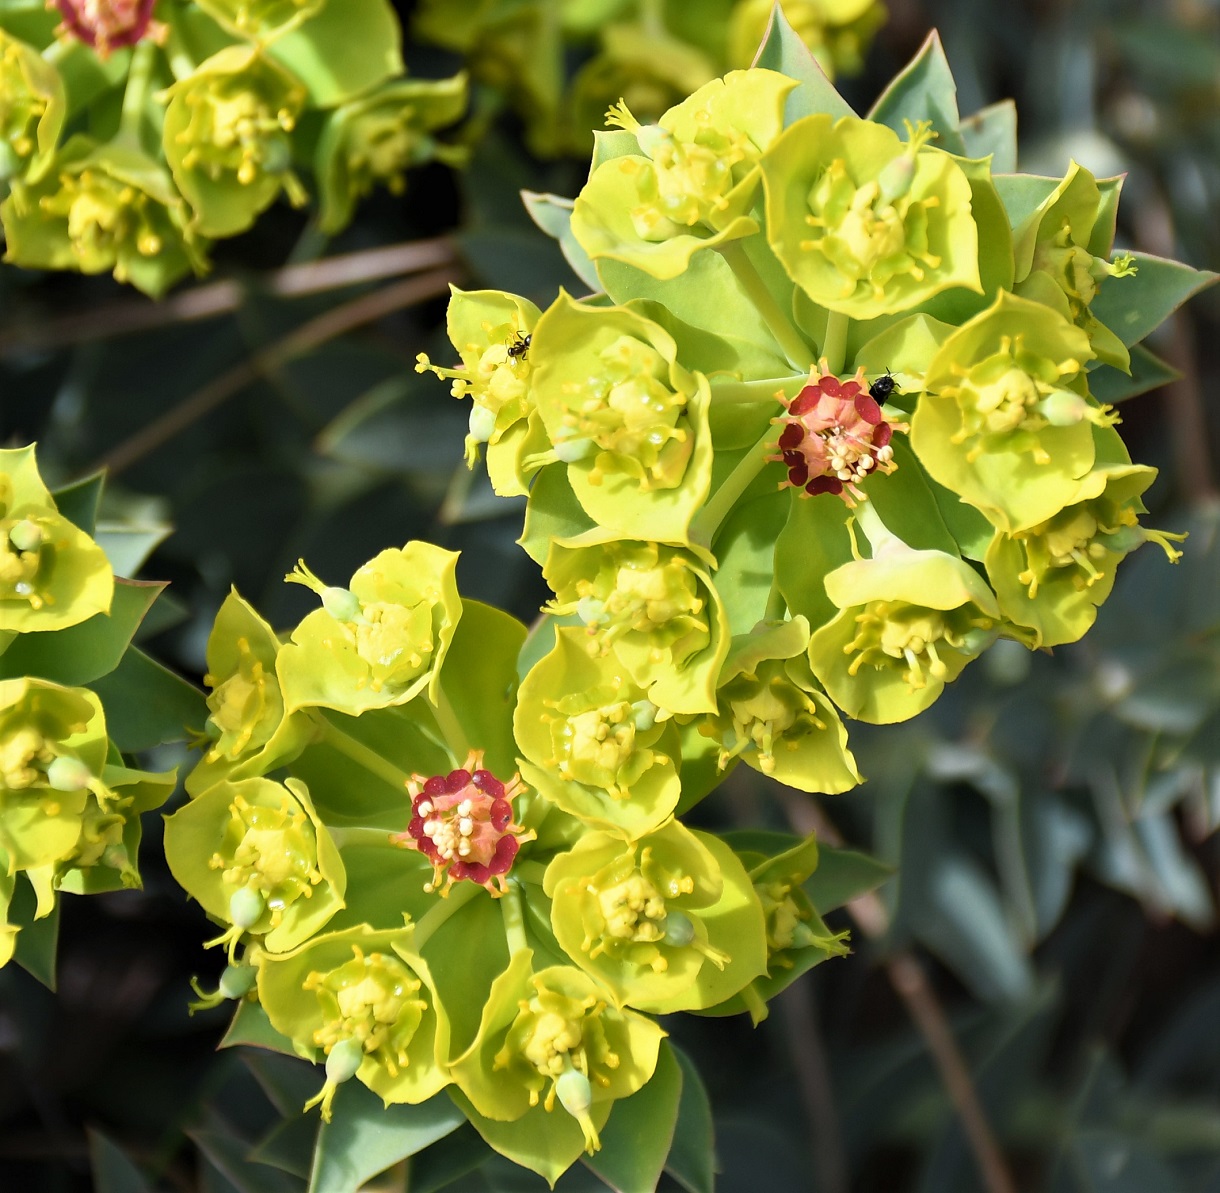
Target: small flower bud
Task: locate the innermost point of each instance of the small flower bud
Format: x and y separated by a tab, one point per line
345	1058
25	535
68	774
246	906
644	714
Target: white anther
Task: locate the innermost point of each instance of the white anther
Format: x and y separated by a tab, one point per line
425	809
464	808
844	474
464	848
465	826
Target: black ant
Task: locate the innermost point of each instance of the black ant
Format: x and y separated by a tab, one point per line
520	346
881	389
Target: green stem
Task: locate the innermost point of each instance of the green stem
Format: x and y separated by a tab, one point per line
449	725
727	392
531	872
834	347
879	536
59	49
776	605
514	918
707	521
359	753
361	835
780	325
135	97
447	905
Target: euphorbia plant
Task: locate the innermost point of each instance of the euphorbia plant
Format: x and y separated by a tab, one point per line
837	417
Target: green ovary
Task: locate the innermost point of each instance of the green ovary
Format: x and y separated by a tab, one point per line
18	567
271	851
370	999
895	635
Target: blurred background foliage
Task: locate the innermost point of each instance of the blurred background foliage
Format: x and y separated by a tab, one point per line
1034	997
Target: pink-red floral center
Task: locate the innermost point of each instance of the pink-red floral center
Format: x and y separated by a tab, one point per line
834	435
462	823
108	24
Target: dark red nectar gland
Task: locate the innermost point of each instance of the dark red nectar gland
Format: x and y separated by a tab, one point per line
108	25
834	436
462	823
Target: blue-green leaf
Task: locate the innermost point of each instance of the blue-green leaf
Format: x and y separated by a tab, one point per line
783	50
924	90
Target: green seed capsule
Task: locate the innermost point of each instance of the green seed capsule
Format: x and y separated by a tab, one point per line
237	981
571	450
25	535
246	907
345	1058
68	774
644	714
679	930
574	1092
341	603
482	424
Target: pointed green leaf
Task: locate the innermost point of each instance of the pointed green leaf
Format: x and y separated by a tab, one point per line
251	1026
113	1172
146	704
637	1138
366	1137
128	545
992	131
843	875
78	501
783	50
692	1157
1148	371
37	940
1133	306
924	90
553	214
83	653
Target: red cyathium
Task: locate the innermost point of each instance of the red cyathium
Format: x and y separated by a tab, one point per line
462	823
108	24
834	435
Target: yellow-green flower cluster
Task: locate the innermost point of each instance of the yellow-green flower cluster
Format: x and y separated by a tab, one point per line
69	804
403	906
649	53
240	101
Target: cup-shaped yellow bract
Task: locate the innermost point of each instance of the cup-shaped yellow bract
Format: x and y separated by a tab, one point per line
40	724
373	140
227	138
866	224
693	182
250	733
32	110
52	574
772	715
1006	421
492	332
380	642
1052	577
1061	250
654	606
594	744
259	18
539	1026
910	621
364	992
669	922
257	857
837	32
625	417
